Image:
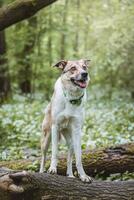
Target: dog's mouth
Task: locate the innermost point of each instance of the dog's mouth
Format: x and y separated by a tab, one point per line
81	83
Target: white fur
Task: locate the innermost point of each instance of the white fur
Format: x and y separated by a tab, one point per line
68	121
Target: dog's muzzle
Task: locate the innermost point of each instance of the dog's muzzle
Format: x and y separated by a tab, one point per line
81	81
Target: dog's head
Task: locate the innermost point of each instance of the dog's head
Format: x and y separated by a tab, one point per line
74	73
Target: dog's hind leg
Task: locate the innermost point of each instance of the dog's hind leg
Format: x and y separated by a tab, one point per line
45	141
46	136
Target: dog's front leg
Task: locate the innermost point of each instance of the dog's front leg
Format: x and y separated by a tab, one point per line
55	138
76	136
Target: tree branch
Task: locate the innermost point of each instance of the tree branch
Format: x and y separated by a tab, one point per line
20	10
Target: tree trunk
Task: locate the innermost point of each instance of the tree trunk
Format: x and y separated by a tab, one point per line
23	186
50	37
103	161
63	35
86	30
4	73
25	58
76	44
20	10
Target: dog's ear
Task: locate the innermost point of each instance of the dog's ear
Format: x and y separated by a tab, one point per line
87	62
61	64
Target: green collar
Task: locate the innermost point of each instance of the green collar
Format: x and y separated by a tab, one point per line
75	101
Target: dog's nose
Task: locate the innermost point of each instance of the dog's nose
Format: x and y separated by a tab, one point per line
84	74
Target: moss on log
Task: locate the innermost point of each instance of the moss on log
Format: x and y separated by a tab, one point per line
106	161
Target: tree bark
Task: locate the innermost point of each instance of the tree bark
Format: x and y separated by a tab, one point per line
4	72
35	186
104	161
20	10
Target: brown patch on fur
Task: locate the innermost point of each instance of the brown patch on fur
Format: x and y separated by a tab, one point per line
47	122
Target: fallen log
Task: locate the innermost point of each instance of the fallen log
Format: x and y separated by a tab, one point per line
35	186
105	161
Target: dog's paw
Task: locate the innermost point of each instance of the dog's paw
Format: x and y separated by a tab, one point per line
52	170
70	176
86	178
42	170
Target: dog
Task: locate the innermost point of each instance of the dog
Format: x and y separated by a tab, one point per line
64	115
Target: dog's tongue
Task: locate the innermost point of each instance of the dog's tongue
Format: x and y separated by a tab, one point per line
82	84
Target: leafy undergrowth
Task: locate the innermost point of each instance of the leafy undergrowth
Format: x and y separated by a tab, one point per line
20	128
108	122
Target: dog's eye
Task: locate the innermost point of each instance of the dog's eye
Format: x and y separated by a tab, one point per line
84	67
73	69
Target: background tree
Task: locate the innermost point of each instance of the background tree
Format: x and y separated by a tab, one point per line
77	31
25	58
4	72
63	31
99	30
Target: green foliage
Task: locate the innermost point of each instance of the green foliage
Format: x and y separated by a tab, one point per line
20	124
109	122
34	166
123	177
99	30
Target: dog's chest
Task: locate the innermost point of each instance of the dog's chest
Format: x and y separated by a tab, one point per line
65	122
68	115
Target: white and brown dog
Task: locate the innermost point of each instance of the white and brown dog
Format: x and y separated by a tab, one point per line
64	115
